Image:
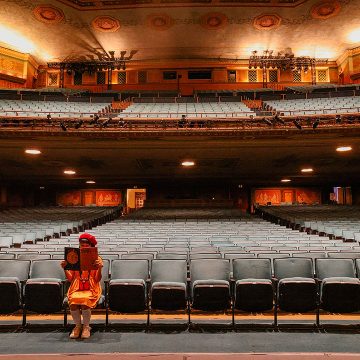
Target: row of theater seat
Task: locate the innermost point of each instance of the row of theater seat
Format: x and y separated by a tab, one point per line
55	108
337	222
131	286
338	105
18	226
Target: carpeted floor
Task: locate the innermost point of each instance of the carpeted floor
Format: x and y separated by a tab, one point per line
39	341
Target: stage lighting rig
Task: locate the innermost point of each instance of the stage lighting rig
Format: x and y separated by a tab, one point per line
284	60
107	61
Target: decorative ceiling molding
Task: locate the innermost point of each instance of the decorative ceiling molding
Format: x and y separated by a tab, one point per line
159	22
325	9
88	5
214	21
105	24
267	22
48	14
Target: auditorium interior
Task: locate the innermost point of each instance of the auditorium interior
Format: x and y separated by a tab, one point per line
212	147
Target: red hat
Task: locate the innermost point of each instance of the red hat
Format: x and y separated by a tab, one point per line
88	237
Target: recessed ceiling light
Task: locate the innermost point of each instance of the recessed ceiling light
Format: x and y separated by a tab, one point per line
188	163
69	172
307	170
285	180
90	182
343	148
32	151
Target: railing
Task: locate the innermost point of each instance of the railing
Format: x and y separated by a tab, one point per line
351	110
44	114
199	125
189	115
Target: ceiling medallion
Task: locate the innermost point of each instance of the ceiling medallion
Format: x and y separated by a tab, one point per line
105	24
325	9
213	21
48	14
267	22
159	22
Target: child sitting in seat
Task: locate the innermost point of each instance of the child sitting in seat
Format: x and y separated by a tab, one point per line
84	291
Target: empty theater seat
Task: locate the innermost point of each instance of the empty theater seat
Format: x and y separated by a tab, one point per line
12	274
340	288
127	289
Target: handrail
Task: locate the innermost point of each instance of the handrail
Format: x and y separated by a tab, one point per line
326	111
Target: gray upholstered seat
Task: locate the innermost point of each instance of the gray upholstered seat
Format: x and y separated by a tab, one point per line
127	290
44	290
13	272
340	288
253	286
296	288
210	284
168	284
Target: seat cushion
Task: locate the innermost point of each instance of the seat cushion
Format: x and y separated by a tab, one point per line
168	295
127	295
140	282
168	285
43	281
210	283
211	295
340	294
254	294
43	295
10	299
9	280
297	294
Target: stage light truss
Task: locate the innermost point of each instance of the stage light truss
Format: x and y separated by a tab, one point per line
105	62
284	60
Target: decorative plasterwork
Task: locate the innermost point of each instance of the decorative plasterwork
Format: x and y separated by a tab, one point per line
48	14
125	4
105	24
325	9
213	21
159	22
267	22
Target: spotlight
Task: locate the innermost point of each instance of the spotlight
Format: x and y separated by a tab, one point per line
63	126
279	119
79	124
297	123
338	119
316	123
267	121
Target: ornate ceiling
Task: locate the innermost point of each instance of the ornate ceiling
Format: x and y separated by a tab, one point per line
182	29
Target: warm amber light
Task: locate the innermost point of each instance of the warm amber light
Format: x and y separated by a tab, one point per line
69	172
90	182
343	148
285	180
354	36
307	170
32	151
16	40
188	163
